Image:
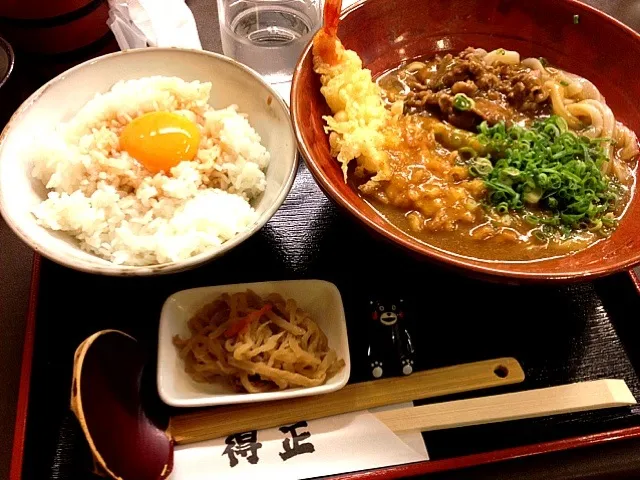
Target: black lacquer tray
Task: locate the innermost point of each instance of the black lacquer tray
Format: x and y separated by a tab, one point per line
559	333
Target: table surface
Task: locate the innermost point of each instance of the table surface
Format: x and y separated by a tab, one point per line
15	270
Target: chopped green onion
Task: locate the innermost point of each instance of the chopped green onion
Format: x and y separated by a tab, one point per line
462	102
576	19
502	208
543	61
467	153
551	167
540	235
609	220
501	51
481	167
531	219
510	172
596	226
533	196
564	83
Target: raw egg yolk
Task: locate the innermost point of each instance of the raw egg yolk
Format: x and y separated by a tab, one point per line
160	140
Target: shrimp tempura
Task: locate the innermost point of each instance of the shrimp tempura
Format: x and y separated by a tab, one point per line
356	129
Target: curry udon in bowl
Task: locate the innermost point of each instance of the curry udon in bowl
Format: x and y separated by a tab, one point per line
511	150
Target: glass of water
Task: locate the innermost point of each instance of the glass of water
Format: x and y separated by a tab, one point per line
268	35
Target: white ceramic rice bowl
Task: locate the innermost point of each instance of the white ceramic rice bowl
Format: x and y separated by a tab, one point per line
59	100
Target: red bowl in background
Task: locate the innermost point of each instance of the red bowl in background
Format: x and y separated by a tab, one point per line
386	33
33	30
37	9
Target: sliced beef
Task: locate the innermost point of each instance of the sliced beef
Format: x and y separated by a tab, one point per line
467	87
492	112
442	103
501	92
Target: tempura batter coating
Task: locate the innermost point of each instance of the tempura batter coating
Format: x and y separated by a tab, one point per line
359	127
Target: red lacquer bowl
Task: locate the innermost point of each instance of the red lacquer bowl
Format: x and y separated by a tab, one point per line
385	33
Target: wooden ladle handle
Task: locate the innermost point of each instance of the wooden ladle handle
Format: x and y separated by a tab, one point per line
214	423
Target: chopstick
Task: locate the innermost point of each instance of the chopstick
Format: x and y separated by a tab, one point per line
213	423
576	397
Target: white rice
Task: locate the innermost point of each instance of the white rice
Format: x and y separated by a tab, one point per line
118	210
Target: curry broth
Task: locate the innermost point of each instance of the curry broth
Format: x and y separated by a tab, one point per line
500	248
432	197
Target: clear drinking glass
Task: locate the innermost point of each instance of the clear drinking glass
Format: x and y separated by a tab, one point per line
268	35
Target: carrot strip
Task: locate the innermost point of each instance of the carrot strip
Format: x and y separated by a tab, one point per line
243	323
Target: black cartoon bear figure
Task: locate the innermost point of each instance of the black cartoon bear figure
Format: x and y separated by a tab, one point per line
390	346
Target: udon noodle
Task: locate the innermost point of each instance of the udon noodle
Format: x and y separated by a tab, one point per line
258	345
582	106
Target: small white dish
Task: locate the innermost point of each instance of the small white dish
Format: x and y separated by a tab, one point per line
176	388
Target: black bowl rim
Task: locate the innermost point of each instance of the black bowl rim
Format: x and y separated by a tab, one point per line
6	46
